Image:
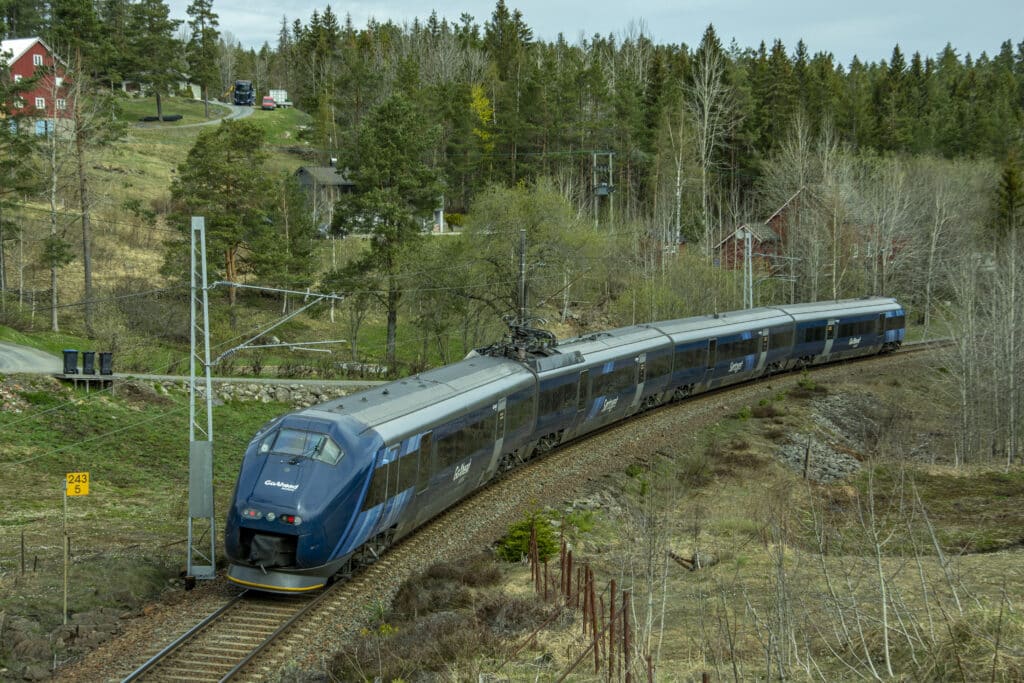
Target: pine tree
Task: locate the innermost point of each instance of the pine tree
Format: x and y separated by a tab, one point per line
155	52
395	191
201	51
22	18
223	179
779	97
892	102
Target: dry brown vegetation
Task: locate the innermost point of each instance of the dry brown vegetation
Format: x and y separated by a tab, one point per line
866	578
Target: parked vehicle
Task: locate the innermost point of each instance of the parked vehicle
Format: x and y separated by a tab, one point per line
280	98
268	103
244	94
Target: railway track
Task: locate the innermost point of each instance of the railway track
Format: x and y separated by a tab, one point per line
215	648
254	634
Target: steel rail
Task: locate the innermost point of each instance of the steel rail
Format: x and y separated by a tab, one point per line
183	638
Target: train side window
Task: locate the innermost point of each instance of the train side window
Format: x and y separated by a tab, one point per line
378	491
712	352
406	472
880	327
781	337
830	331
520	409
581	395
660	364
425	458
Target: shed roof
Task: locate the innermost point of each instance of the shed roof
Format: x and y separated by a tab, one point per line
326	175
761	232
783	207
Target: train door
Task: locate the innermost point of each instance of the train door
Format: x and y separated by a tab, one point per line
762	350
830	336
880	327
641	377
583	393
426	462
712	360
499	440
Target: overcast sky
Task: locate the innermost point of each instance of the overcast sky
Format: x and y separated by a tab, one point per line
867	28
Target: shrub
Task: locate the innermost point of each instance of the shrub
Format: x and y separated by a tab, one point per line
765	410
507	615
695	468
516	543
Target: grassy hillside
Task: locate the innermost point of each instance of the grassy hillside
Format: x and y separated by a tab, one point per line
128	534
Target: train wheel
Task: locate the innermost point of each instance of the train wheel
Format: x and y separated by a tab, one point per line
547	444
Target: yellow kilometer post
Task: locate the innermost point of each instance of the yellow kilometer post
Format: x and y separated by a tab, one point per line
75	484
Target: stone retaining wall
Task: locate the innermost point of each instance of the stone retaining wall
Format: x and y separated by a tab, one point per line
298	395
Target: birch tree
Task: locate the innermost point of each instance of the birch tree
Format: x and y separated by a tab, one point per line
1007	314
712	107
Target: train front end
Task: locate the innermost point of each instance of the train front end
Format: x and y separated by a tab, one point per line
297	493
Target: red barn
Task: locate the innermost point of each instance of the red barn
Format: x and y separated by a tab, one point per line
47	101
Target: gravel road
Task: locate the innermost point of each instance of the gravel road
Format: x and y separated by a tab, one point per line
17	358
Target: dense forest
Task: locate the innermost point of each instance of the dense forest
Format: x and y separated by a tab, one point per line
626	161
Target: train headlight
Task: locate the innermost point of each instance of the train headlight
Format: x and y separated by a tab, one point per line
291	519
271	516
251	513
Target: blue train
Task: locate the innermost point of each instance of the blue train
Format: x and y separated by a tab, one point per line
341	481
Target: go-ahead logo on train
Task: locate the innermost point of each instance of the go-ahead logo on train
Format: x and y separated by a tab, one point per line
735	366
461	471
281	485
854	342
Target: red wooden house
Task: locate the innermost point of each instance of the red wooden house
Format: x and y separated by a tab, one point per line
47	102
767	241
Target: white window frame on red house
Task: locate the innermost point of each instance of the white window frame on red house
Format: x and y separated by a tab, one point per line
40	103
62	104
20	102
37	60
17	78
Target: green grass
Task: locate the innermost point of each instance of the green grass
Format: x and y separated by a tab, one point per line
133	109
127	534
51	342
281	125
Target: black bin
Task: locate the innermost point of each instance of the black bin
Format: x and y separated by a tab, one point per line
70	361
106	363
88	362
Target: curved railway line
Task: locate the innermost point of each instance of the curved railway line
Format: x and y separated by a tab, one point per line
253	634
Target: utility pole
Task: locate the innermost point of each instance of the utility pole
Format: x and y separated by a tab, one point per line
200	432
522	276
201	560
602	177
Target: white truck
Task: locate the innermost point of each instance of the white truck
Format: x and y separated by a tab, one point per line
280	97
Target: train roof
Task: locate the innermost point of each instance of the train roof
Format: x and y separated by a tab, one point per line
863	306
616	341
717	324
396	399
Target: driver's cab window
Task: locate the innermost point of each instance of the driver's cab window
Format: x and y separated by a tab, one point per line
301	444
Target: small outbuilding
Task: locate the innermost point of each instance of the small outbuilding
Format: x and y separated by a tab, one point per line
324	185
